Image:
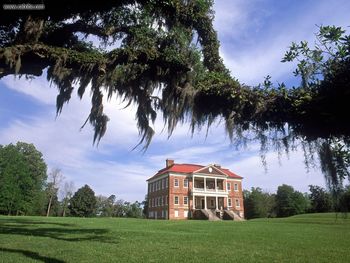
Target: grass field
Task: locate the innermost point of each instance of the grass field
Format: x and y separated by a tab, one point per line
303	238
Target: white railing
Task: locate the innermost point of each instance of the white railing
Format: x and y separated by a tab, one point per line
208	190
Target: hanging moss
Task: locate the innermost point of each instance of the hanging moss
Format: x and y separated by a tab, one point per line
155	50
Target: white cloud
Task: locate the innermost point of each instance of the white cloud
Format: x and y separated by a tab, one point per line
37	88
291	171
253	49
113	168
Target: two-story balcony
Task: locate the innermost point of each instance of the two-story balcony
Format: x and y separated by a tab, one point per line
210	185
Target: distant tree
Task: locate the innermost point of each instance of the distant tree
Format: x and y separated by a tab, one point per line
52	205
290	202
109	207
344	200
145	206
321	200
134	209
67	193
83	202
105	205
56	178
120	208
22	177
100	204
258	204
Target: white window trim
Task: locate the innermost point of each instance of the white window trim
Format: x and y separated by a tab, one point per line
176	213
186	186
229	200
178	200
239	203
186	213
178	183
185	197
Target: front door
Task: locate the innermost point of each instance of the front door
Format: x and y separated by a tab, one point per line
202	202
220	202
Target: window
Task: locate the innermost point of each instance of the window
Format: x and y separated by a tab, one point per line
236	187
229	202
157	185
150	215
228	186
185	213
237	203
166	182
186	183
212	203
163	183
176	200
162	213
161	201
176	213
185	200
150	203
176	182
166	200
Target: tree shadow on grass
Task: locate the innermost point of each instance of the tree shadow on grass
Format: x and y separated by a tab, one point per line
25	221
63	232
33	255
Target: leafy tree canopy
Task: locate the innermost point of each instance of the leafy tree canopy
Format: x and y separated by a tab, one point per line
290	202
258	204
171	46
22	177
83	202
320	199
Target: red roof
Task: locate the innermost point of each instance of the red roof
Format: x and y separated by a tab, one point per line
190	168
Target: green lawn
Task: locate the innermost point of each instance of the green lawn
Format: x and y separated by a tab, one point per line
305	238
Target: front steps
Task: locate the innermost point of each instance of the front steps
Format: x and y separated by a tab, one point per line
212	215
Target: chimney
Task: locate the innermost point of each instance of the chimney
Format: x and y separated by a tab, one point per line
169	162
217	166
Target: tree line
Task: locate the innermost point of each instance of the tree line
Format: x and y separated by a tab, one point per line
27	189
288	202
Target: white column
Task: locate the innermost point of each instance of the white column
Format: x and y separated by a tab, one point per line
192	183
205	184
216	185
193	201
205	202
216	202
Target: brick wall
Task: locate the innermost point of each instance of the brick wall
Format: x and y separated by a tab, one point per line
236	195
178	191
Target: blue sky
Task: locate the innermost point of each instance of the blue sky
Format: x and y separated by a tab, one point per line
254	36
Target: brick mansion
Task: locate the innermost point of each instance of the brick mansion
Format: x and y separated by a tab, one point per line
182	191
